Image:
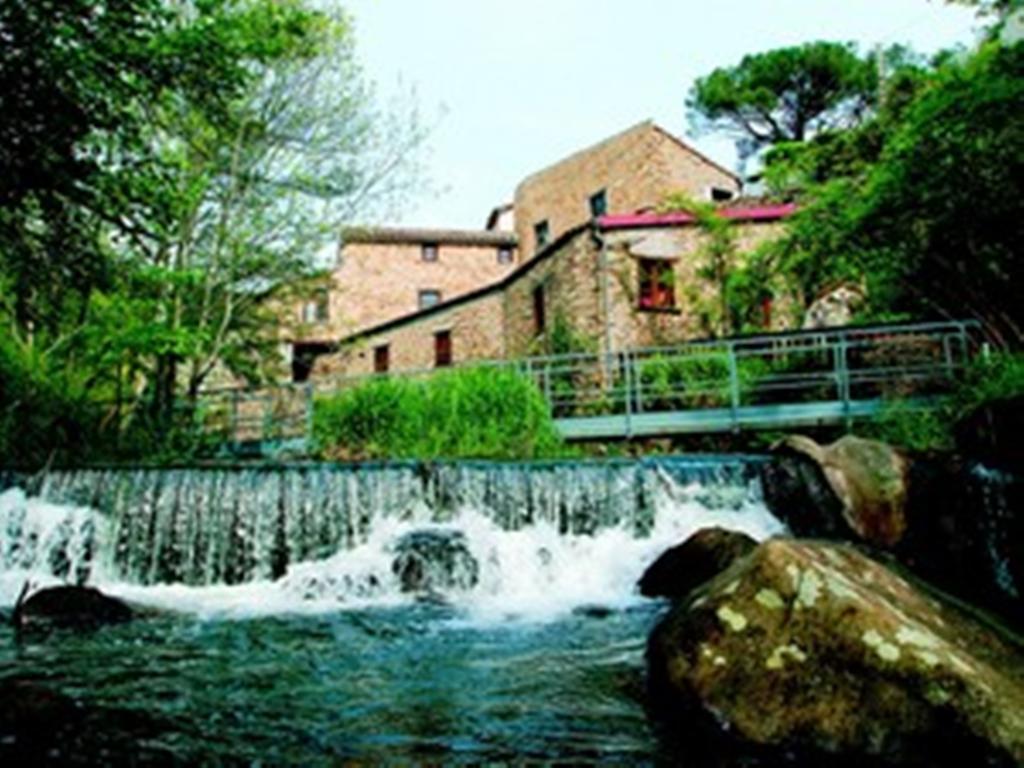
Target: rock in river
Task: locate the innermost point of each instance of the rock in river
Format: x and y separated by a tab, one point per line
815	648
851	486
68	607
434	560
685	566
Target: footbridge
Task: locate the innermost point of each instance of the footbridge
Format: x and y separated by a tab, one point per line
776	381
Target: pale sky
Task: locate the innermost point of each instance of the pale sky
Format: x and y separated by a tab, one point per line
510	87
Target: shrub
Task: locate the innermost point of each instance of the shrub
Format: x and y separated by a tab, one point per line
988	378
483	412
698	379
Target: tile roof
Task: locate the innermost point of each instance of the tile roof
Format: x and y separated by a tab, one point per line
420	235
742	213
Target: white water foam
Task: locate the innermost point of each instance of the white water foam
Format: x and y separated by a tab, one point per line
531	574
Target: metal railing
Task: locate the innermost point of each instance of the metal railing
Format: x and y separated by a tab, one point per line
731	379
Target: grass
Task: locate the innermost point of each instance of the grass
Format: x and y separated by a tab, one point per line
481	413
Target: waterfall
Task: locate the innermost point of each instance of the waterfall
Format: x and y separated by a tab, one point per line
325	533
996	494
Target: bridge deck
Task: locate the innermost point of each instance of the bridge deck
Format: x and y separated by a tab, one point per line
712	420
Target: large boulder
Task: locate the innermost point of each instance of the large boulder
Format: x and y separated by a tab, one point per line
856	485
434	560
812	648
685	566
952	520
68	607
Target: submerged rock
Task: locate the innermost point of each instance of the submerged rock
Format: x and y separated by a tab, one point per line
853	484
814	647
434	560
688	565
69	607
41	726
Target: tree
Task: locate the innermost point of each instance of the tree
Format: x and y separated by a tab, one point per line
184	163
255	194
930	218
785	94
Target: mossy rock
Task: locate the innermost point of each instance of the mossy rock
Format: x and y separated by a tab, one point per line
811	646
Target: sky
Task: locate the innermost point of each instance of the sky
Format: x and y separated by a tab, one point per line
507	88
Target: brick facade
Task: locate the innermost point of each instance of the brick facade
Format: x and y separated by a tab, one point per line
506	307
636	169
380	273
474	326
589	278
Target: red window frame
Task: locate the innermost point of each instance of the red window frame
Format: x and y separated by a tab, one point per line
657	284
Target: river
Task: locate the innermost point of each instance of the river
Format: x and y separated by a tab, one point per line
283	634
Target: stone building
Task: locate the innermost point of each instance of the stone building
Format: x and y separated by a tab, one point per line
619	282
581	243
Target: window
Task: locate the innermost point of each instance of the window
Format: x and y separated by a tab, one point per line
541	232
429	297
442	349
381	359
539	319
599	204
504	255
429	252
657	284
316	309
720	194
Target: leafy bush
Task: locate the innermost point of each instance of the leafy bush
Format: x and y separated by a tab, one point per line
988	378
699	379
480	412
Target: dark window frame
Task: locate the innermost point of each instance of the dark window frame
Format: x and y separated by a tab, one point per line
656	286
539	309
599	203
430	252
505	254
542	233
442	349
382	358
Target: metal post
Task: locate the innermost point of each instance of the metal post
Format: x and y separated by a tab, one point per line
734	388
947	355
638	383
234	421
309	415
628	394
547	386
843	378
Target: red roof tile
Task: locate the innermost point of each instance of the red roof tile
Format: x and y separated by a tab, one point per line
766	212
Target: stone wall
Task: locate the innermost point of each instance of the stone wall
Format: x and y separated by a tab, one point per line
501	323
637	169
633	327
476	333
569	277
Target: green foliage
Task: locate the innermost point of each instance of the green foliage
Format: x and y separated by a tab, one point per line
697	379
988	378
492	413
785	94
171	170
922	205
740	281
